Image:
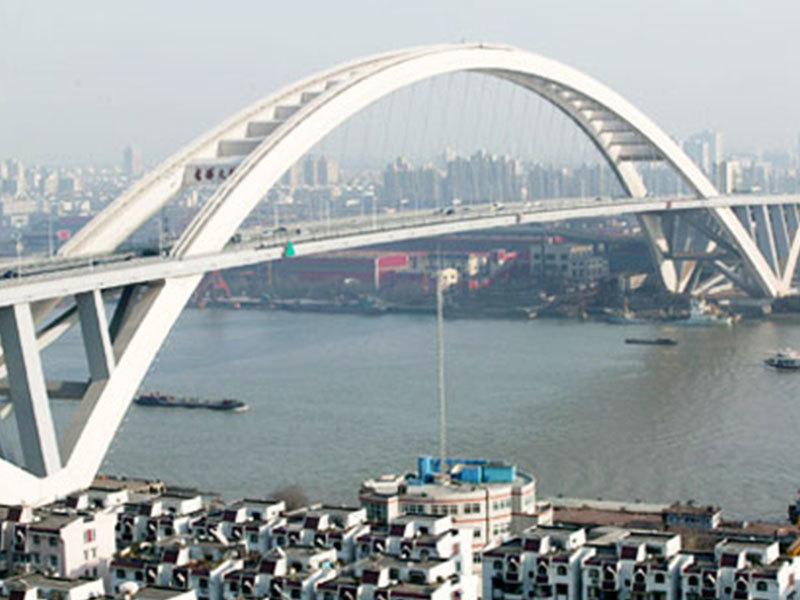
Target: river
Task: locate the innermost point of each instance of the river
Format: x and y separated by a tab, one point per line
335	399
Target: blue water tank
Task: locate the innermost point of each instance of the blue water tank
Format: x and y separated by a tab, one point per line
494	473
470	474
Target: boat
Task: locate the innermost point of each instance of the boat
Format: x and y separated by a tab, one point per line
784	360
623	317
703	313
170	401
661	341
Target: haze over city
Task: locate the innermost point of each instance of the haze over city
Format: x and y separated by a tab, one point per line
82	80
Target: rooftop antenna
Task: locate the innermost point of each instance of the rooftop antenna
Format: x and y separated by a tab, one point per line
440	363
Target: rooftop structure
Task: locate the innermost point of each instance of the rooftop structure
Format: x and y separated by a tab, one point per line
487	498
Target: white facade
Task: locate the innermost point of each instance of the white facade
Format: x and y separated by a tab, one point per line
486	508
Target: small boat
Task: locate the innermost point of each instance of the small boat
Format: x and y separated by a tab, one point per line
661	341
784	360
703	313
623	317
170	401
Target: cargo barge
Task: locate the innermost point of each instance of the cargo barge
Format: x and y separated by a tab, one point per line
170	401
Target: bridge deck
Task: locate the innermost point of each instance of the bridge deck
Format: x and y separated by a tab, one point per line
62	277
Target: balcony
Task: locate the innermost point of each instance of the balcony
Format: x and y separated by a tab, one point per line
609	585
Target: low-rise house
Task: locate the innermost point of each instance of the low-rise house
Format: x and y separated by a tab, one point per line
38	586
63	542
293	572
544	561
157	518
323	527
419	537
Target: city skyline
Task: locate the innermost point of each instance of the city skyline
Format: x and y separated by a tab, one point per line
111	77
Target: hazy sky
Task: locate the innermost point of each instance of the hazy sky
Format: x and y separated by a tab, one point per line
79	80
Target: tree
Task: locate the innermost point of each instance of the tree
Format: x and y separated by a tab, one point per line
293	495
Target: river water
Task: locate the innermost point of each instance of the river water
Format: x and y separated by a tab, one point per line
335	399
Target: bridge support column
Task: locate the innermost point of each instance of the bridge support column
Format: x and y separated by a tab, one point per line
96	339
28	391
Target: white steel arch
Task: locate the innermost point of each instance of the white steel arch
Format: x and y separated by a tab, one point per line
247	154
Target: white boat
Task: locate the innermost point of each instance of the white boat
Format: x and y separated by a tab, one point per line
784	360
703	313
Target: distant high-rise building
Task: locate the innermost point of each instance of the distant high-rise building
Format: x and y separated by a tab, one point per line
327	171
705	148
292	176
797	158
310	171
49	183
14	179
700	152
132	161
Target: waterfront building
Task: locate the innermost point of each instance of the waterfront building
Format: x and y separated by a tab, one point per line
689	516
489	500
413	538
567	263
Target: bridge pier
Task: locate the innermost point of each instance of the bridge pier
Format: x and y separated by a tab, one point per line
28	390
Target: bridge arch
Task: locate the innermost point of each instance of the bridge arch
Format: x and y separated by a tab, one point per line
259	144
319	103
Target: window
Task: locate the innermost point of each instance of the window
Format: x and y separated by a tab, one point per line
476	533
36	539
295	593
137	575
53	560
693	580
761	586
498	565
120	573
54	541
561	570
659	578
203	583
